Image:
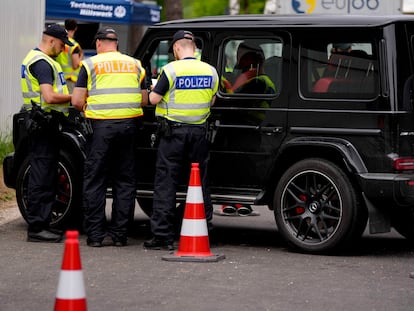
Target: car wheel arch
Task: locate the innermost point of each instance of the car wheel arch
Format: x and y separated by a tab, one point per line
339	151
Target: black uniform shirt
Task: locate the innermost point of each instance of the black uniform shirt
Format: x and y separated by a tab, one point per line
42	71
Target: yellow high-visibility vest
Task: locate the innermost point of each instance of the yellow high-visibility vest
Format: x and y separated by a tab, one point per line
193	84
30	85
65	60
114	86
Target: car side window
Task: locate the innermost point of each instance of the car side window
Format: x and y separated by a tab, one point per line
339	70
251	66
161	56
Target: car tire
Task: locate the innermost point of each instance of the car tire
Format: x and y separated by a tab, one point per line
317	209
66	212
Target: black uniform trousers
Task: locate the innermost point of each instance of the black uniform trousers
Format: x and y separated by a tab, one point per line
187	144
110	157
44	158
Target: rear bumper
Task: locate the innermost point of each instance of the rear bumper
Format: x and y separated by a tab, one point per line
394	189
8	171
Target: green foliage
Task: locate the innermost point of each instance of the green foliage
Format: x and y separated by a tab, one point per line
254	7
6	146
198	8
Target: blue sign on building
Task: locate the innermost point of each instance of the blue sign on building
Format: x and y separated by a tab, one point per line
104	11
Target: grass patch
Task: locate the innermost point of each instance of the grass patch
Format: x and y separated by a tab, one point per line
7	195
6	146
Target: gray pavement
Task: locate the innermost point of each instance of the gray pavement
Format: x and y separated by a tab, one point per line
258	273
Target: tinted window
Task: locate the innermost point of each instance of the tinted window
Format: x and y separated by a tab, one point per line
251	66
161	57
339	70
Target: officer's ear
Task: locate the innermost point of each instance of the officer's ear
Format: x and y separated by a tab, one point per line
199	43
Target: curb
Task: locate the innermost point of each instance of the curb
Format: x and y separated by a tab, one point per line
8	212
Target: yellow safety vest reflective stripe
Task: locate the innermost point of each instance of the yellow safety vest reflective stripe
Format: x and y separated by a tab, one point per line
65	60
114	86
30	85
193	84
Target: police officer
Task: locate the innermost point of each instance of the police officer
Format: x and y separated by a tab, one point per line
110	90
71	56
183	94
44	85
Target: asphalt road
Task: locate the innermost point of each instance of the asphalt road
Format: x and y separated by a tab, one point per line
258	273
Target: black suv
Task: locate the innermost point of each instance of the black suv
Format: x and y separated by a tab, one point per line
329	148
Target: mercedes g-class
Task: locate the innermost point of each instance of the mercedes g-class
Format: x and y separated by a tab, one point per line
330	148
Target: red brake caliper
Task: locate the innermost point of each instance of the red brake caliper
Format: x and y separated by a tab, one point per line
300	209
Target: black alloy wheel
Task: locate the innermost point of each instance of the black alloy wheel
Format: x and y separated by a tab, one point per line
316	207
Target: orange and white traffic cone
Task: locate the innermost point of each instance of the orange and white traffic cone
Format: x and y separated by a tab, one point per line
194	243
70	295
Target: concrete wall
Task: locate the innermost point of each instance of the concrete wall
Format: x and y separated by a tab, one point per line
22	23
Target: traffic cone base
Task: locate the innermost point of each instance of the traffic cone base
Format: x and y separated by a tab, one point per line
213	258
194	242
194	246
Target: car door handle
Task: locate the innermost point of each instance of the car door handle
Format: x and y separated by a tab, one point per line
271	129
